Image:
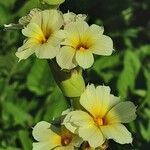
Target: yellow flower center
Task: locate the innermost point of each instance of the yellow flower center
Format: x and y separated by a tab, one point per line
82	47
99	121
44	38
44	35
66	140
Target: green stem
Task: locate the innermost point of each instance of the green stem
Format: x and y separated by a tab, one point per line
75	103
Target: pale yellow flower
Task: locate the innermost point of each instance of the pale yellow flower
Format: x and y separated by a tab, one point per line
52	138
43	35
82	41
103	119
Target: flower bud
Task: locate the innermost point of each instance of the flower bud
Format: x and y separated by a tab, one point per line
52	2
70	82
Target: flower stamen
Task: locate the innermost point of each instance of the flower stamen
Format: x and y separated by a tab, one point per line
82	47
66	141
99	121
45	38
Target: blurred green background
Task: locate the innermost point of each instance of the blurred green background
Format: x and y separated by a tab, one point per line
28	93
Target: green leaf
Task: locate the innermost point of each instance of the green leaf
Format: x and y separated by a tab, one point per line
22	67
147	76
30	4
105	62
2	83
18	114
10	148
56	105
9	92
7	65
40	78
132	32
4	15
140	92
128	76
25	140
145	131
103	67
147	113
143	51
8	3
106	76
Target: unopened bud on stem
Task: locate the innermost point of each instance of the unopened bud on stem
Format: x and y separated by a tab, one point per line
70	82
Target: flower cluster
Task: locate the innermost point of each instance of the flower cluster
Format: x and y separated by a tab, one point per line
71	42
67	37
99	119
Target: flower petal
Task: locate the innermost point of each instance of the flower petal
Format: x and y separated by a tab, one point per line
95	29
103	95
65	57
45	136
69	17
52	20
43	21
42	145
77	119
79	27
114	100
46	51
37	19
84	59
74	32
26	50
84	125
103	46
57	37
123	112
89	100
96	100
33	31
56	20
117	132
92	134
46	28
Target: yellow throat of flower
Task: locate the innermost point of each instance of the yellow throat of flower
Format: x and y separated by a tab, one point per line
99	121
44	37
82	47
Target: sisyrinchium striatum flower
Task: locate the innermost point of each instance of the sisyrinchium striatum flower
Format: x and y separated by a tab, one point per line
102	117
81	42
43	35
51	138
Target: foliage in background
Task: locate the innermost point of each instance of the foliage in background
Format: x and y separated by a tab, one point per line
28	92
